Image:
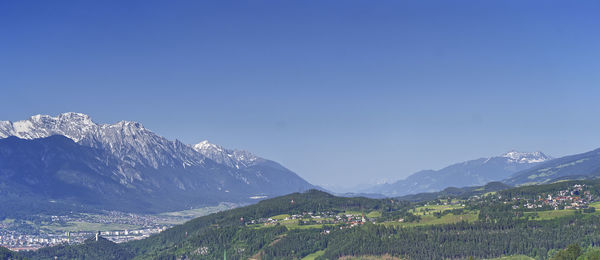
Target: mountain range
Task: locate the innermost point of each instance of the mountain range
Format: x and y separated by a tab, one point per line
470	173
512	168
71	161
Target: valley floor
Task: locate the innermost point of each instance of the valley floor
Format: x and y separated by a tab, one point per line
41	230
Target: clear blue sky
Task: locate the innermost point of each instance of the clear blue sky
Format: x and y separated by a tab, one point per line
342	92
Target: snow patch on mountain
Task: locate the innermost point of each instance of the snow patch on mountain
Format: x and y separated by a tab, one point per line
129	141
72	125
526	157
232	158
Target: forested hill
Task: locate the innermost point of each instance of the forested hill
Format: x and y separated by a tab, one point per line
166	242
90	249
536	221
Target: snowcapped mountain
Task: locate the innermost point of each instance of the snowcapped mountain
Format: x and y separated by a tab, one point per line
470	173
165	174
520	157
129	141
232	158
72	125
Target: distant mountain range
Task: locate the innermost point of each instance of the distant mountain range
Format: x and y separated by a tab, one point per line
70	160
470	173
512	168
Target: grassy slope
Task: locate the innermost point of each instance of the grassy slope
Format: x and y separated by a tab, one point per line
514	257
314	255
370	257
432	220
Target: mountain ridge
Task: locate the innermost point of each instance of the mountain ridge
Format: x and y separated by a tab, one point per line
475	172
231	157
130	141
